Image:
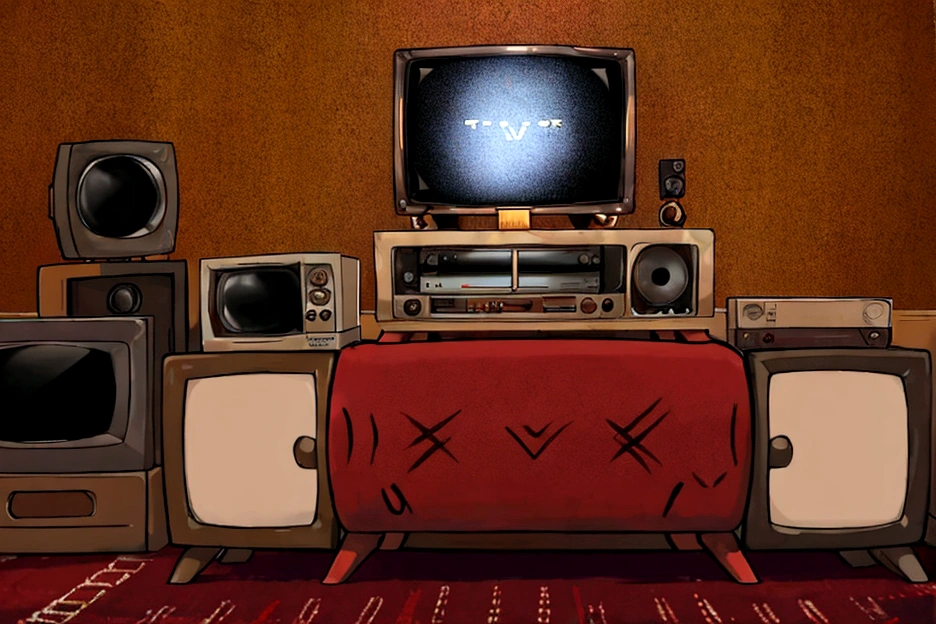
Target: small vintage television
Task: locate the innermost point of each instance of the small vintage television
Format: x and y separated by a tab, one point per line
244	454
284	301
77	395
551	129
115	199
842	450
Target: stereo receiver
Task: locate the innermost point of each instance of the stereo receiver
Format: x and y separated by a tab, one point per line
592	278
780	323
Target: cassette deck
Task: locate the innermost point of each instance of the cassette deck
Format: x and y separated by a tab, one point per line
445	279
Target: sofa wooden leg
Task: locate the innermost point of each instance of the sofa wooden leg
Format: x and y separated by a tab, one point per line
724	547
354	550
236	555
684	541
392	541
191	563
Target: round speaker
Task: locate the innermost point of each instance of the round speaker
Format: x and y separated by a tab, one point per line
121	197
660	275
124	299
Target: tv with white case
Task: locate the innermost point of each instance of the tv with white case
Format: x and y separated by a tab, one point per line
842	451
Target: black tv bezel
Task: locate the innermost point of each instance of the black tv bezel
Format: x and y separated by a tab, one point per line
913	366
404	204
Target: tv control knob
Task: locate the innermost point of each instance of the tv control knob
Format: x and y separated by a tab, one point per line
607	305
319	277
588	305
753	311
325	315
584	258
320	296
409	277
768	338
874	335
310	315
412	307
124	299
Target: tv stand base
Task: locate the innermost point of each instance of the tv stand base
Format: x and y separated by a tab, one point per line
900	560
122	512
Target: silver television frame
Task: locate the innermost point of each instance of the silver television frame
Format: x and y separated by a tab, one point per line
625	58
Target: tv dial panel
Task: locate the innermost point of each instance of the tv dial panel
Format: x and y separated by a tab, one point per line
319	313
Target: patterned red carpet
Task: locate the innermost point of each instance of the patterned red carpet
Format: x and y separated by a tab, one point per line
463	588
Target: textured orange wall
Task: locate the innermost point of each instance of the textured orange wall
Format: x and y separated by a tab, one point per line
809	127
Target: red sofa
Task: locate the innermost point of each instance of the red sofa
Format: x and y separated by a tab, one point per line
539	435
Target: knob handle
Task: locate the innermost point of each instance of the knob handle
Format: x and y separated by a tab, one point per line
304	452
781	452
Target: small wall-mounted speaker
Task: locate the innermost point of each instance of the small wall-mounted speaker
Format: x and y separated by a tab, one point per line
672	178
115	199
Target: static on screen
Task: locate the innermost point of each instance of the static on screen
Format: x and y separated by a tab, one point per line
514	130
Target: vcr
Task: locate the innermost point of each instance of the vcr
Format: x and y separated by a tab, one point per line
543	276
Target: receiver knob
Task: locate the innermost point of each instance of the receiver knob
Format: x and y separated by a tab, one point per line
607	305
412	307
310	315
753	311
872	312
124	299
325	315
588	305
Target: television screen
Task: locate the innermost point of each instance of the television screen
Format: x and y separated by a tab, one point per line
56	393
261	300
486	127
77	395
838	463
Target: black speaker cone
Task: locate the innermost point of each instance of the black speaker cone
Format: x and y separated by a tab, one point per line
119	197
124	299
660	275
